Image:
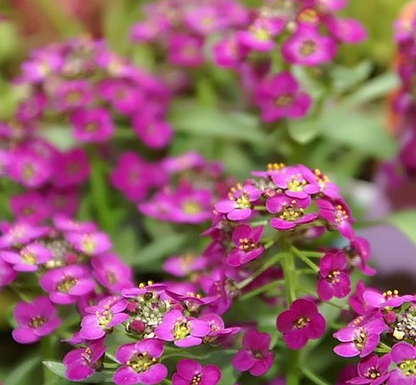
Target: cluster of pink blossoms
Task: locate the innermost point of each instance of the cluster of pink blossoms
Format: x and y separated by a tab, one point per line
404	103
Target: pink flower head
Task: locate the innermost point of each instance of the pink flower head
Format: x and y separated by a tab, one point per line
240	201
106	315
30	207
290	212
346	30
203	20
73	94
81	363
327	188
247	245
260	35
72	169
42	63
256	356
229	52
29	169
404	356
93	125
183	265
338	214
328	6
67	225
32	108
125	99
185	50
28	258
357	301
63	202
140	363
7	273
217	326
293	182
307	47
373	370
92	243
280	97
359	340
191	372
153	131
34	320
20	234
390	298
182	331
66	284
302	322
111	272
333	280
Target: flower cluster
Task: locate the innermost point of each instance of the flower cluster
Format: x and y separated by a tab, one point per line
383	335
72	263
403	104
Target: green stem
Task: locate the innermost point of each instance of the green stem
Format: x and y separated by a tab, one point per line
186	355
313	377
273	260
304	259
289	276
48	353
293	373
312	254
260	290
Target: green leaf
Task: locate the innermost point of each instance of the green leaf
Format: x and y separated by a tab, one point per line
59	369
303	130
229	376
360	132
405	221
20	375
374	89
192	118
344	78
149	256
126	244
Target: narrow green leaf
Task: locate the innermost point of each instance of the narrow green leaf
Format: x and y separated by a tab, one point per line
304	130
20	375
405	221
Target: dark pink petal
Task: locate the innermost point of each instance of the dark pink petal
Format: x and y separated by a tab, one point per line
262	366
188	368
125	352
286	320
295	339
24	335
210	375
154	375
347	350
78	371
239	214
126	376
188	342
243	361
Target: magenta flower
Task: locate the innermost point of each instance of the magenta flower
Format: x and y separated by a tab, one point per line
83	362
89	243
72	169
290	212
357	301
307	47
106	315
390	298
302	322
191	372
182	331
261	34
228	52
256	356
183	265
280	97
20	234
92	125
239	204
404	356
42	63
153	131
359	252
28	258
218	329
293	182
111	272
66	284
140	363
248	245
30	207
73	94
203	20
373	370
327	188
346	30
67	225
34	320
333	280
359	340
185	50
7	273
338	214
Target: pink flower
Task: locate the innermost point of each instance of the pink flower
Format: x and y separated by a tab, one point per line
153	131
373	370
300	323
90	243
185	50
71	169
280	97
333	279
256	356
28	258
247	245
307	47
182	331
72	94
404	356
93	125
346	30
7	273
81	363
261	34
34	320
30	207
191	372
140	363
183	265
